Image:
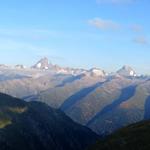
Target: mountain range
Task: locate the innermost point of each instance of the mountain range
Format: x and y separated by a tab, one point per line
102	101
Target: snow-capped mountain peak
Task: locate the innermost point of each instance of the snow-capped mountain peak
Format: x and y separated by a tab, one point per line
97	72
94	72
126	71
42	64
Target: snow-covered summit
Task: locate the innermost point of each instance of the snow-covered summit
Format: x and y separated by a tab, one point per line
42	64
126	71
97	72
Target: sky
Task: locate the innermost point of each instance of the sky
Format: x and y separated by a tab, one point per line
77	33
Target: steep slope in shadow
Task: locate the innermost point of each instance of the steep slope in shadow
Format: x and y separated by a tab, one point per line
56	95
147	109
79	96
36	126
132	137
126	93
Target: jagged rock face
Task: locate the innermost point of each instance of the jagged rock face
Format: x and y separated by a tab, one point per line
42	64
126	71
45	65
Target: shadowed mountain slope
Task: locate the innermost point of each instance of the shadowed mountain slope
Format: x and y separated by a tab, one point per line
126	93
102	101
79	96
133	137
36	126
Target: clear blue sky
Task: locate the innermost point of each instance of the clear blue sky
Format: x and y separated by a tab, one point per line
77	33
